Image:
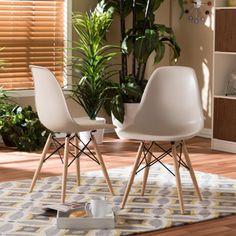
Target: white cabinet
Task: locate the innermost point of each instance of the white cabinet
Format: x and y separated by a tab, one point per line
224	63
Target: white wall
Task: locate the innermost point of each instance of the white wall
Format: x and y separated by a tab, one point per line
196	43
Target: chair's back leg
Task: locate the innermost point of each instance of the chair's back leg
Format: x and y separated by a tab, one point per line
65	169
77	161
103	167
177	176
191	171
44	153
131	179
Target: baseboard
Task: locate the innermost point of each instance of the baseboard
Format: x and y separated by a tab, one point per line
222	145
205	133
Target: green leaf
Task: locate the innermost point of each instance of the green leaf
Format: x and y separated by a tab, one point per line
131	89
145	45
157	4
117	108
160	51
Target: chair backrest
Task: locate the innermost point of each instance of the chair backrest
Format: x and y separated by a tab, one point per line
50	101
170	103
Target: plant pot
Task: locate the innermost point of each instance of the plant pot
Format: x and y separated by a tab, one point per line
130	112
85	135
8	141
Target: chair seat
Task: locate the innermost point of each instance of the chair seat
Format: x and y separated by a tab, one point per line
150	137
85	124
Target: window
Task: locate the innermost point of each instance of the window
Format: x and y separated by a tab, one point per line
31	32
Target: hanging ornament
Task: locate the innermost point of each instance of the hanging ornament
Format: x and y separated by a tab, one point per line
197	11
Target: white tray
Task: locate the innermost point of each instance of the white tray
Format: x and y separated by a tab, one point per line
89	222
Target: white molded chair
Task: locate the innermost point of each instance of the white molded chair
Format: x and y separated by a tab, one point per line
170	111
54	115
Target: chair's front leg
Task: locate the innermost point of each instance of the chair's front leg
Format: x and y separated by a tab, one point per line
44	153
146	170
131	179
103	167
65	169
177	176
191	171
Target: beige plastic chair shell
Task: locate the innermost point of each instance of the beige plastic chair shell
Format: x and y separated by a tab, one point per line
170	108
54	114
52	108
170	111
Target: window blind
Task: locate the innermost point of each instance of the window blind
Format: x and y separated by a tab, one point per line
31	32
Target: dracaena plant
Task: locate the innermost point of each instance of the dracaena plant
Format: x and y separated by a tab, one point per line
91	61
144	37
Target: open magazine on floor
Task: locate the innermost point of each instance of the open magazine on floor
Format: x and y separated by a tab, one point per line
64	207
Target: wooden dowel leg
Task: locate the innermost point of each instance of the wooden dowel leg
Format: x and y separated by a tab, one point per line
178	180
146	170
103	167
191	171
77	161
131	179
65	169
44	153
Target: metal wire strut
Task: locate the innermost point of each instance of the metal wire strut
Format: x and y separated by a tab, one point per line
147	149
85	147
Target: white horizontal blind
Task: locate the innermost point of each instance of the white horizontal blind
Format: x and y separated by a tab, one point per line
31	32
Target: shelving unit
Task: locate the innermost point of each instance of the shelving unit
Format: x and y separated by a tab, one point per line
224	63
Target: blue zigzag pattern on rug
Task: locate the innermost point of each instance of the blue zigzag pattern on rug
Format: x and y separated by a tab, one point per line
21	212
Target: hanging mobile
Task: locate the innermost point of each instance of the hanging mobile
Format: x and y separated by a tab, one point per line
197	10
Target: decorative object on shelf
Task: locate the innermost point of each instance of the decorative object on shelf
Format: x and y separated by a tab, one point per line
231	85
197	11
232	3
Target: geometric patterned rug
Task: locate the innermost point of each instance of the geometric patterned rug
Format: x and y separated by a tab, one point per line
21	212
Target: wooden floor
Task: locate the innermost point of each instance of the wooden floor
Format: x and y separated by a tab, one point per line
16	165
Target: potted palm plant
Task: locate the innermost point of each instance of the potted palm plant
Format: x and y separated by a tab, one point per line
144	37
91	61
